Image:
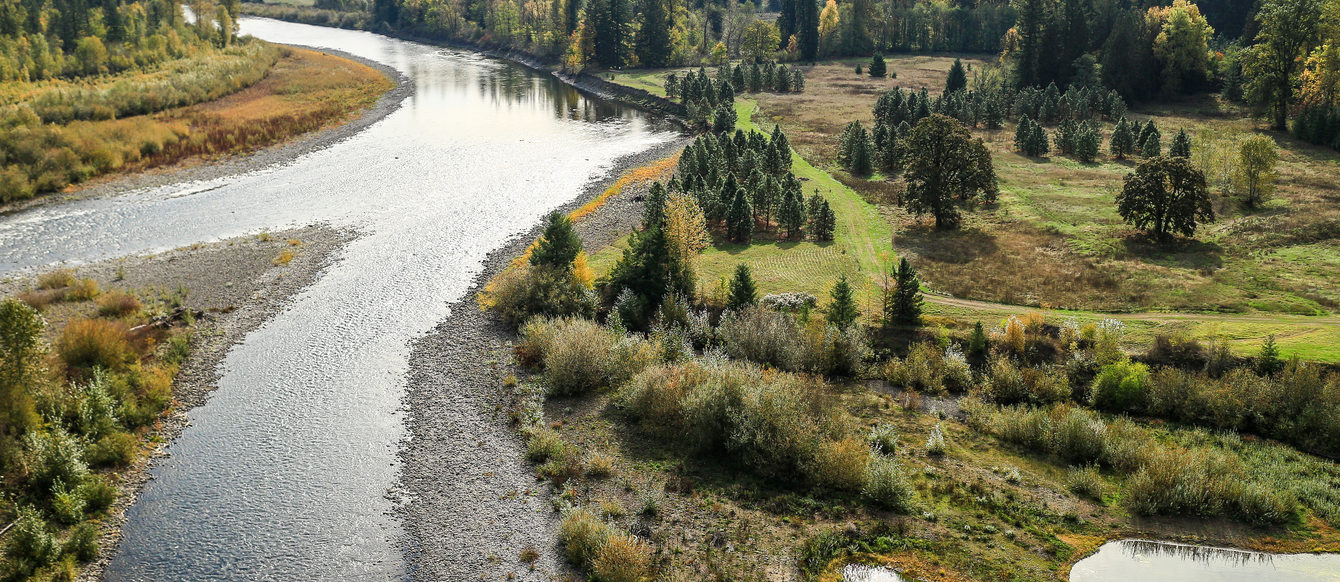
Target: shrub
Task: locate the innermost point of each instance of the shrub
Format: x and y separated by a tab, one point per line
67	505
54	457
1120	386
1086	481
83	542
935	444
82	290
884	438
611	508
886	487
114	450
58	279
90	343
97	493
583	534
622	558
580	356
31	544
545	444
831	351
761	336
523	292
923	370
842	464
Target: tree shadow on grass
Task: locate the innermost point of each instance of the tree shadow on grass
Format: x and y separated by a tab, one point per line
1177	252
959	246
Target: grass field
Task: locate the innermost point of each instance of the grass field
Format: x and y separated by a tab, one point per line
1054	243
286	92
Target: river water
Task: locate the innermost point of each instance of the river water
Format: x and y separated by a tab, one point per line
284	473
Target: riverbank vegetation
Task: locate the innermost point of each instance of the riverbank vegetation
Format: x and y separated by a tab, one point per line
86	375
233	100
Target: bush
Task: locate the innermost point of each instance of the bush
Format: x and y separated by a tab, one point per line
31	544
599	465
58	279
831	351
582	535
622	558
842	464
884	438
118	304
886	487
114	450
83	543
580	356
1203	484
97	493
762	336
523	292
1010	385
1120	387
924	370
935	443
67	505
1086	481
82	290
54	457
545	444
91	343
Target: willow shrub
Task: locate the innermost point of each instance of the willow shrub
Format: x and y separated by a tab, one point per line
581	356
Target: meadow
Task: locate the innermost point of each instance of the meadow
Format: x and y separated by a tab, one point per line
1053	242
234	101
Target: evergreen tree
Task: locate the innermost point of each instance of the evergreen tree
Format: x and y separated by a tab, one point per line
739	217
792	214
786	21
1123	139
842	312
877	66
797	81
904	305
653	213
609	20
742	291
1023	135
958	78
559	245
1087	142
653	36
1038	144
1268	359
807	29
1151	148
1181	145
977	346
649	270
723	120
823	221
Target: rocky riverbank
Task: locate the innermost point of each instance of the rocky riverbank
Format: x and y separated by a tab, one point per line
473	503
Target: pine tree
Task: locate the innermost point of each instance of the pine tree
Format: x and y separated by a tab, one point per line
823	221
1181	145
1087	142
842	312
1123	139
653	214
905	306
807	29
723	120
653	36
740	217
1268	359
1038	143
957	79
559	245
792	214
742	291
877	66
1151	148
1023	135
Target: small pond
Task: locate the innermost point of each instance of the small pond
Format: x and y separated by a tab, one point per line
864	573
1148	561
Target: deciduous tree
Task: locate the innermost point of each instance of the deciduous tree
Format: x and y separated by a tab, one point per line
945	169
1165	195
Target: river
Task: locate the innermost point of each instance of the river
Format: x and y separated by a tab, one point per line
284	473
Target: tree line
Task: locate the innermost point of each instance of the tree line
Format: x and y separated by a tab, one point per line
46	39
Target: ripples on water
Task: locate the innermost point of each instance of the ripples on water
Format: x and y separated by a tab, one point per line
284	473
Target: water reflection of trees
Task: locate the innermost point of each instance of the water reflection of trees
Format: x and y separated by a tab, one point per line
1201	554
864	573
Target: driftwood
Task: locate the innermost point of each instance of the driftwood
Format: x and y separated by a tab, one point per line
8	527
165	321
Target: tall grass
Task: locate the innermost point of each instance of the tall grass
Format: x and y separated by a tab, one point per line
580	356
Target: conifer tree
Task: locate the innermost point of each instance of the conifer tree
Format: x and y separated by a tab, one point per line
1151	148
740	217
1268	359
792	214
1181	145
877	66
977	346
1123	139
842	312
903	307
653	213
742	291
559	245
957	79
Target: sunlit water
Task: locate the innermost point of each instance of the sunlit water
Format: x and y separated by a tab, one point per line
284	473
1126	560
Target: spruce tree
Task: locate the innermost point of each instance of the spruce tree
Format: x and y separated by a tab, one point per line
742	292
1268	359
905	306
877	66
862	159
1181	145
957	79
842	312
559	245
